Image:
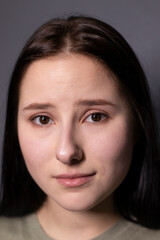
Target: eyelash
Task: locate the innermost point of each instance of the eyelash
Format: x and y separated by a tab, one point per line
102	116
33	119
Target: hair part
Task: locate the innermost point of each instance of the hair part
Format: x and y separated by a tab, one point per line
138	196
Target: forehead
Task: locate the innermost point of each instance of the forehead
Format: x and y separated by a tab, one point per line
75	62
68	75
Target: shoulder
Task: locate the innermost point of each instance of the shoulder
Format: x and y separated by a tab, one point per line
127	230
135	231
10	228
13	228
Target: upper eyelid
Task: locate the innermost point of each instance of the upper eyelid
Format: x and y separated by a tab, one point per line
40	115
86	114
98	111
92	111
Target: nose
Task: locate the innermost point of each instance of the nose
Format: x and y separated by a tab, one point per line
68	150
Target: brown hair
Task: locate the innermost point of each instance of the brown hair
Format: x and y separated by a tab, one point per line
138	196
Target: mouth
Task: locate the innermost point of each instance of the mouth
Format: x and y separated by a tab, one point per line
75	180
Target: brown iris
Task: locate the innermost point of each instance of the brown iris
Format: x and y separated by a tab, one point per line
44	119
96	117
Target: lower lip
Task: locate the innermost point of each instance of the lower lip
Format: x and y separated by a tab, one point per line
74	182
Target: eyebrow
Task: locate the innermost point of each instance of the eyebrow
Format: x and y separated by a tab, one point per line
38	106
94	102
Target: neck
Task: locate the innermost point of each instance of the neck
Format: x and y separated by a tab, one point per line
60	223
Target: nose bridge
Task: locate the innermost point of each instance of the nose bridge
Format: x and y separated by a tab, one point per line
68	148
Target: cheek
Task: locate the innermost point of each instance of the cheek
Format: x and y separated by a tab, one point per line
37	156
36	150
112	150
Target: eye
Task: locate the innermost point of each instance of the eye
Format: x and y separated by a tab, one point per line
96	117
42	120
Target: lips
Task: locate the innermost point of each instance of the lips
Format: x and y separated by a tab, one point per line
74	180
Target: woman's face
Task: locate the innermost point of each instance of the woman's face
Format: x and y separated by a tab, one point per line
75	130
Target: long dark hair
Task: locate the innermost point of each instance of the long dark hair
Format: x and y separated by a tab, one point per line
138	197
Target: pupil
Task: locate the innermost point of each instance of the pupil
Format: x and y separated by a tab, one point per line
96	117
44	120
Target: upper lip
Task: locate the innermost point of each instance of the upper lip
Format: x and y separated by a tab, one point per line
75	175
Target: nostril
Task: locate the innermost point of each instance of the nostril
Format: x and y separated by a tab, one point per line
74	162
77	159
70	158
68	149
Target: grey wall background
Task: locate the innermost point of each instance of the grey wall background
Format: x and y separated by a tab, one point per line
138	21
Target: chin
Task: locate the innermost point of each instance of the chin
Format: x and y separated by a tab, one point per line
77	203
76	207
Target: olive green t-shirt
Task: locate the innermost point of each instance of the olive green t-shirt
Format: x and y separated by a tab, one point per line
28	228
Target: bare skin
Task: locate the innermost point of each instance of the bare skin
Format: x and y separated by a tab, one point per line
76	134
64	224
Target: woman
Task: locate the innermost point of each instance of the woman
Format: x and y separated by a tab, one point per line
80	157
